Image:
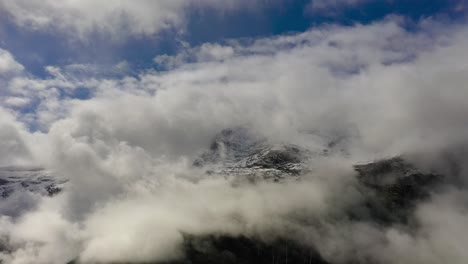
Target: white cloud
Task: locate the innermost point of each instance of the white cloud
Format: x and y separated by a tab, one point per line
8	64
13	149
127	150
204	53
17	101
215	52
118	19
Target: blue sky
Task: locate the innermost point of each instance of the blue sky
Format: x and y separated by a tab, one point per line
37	48
60	51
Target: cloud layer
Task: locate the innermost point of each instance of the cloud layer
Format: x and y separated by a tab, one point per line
127	146
121	19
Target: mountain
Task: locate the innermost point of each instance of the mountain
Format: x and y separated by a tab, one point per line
28	179
390	188
238	152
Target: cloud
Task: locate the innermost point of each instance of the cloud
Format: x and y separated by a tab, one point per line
204	53
8	64
119	19
332	6
127	149
16	101
14	149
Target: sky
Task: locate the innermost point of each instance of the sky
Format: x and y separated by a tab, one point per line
119	97
38	45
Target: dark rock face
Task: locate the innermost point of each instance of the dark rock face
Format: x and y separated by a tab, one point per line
243	250
393	187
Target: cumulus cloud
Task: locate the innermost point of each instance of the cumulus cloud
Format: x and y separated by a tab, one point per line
13	148
127	150
119	19
8	64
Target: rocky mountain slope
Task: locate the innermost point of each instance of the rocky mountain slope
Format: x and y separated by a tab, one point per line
239	152
28	179
390	189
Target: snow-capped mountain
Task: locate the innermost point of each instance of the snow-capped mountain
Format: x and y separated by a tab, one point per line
390	190
28	179
239	152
